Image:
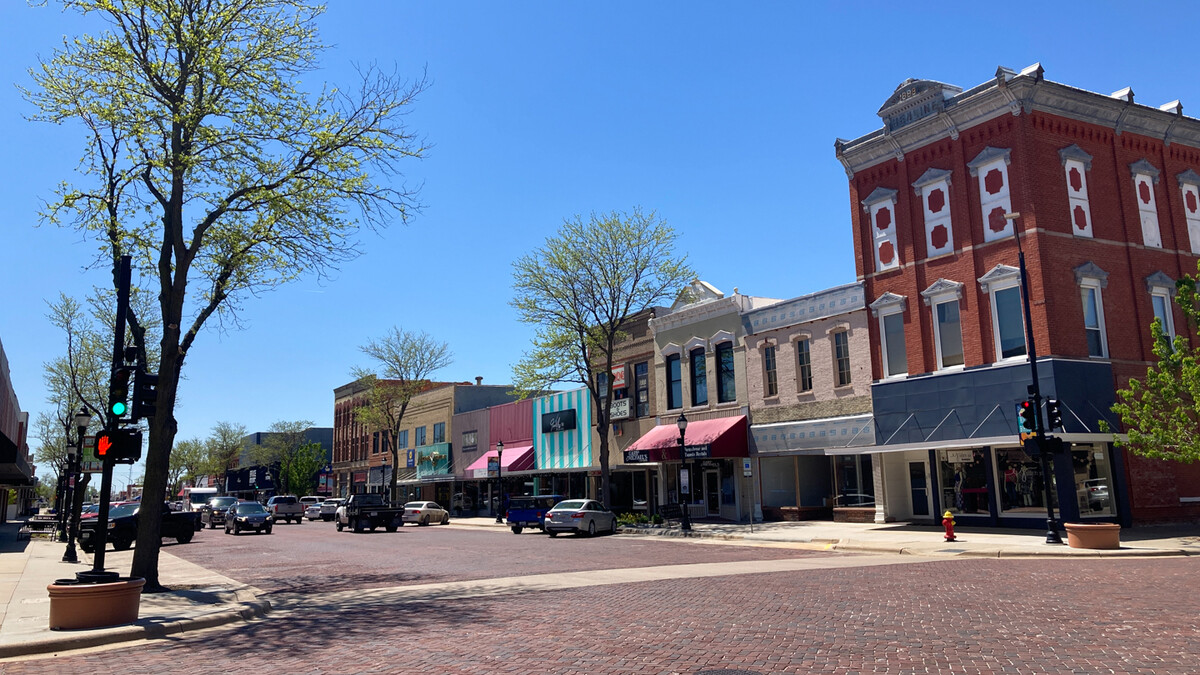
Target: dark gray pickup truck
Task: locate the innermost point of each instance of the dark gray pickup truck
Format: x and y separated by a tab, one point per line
123	523
368	511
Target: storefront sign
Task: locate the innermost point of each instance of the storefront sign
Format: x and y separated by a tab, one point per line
618	376
562	420
684	482
637	456
619	410
746	468
960	456
360	476
695	451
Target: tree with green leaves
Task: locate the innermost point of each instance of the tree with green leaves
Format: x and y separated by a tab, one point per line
280	450
580	289
1161	412
303	469
187	461
223	450
405	360
206	161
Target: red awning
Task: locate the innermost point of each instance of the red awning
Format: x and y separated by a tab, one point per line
722	437
519	458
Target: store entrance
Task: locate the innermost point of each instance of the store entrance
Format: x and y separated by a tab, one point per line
712	492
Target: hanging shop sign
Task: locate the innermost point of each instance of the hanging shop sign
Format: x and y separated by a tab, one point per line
696	451
960	456
619	410
618	376
561	420
637	456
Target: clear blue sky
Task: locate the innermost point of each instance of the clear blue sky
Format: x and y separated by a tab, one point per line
719	116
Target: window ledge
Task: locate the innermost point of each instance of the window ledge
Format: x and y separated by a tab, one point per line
951	369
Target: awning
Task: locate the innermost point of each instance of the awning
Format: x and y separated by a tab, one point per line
519	458
962	443
721	437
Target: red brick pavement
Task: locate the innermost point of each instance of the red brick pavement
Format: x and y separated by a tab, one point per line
960	616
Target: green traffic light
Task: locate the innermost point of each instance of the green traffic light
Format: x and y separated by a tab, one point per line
118	408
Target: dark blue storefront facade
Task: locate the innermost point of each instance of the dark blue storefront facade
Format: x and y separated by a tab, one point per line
949	441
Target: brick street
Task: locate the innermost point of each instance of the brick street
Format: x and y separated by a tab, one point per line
885	614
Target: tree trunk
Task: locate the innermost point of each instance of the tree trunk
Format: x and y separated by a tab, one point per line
162	436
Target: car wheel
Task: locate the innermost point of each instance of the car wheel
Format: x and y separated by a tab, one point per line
268	530
516	529
424	520
612	526
390	528
236	529
184	538
358	525
592	529
212	524
338	525
552	533
122	543
446	519
87	549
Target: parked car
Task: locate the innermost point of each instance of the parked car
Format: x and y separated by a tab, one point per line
530	511
312	512
424	513
461	502
123	523
214	510
579	516
248	516
329	508
1096	491
286	508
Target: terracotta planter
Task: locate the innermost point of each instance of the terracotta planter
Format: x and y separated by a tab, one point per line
74	606
1093	535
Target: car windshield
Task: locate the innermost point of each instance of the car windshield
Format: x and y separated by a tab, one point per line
222	502
250	507
122	510
570	505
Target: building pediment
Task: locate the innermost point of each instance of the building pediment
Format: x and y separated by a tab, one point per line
1090	270
1076	153
942	288
988	156
887	301
914	100
999	274
1188	177
879	194
1144	168
1160	282
930	177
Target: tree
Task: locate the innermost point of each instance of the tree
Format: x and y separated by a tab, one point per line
223	450
187	461
280	450
305	464
406	360
580	289
1161	412
209	165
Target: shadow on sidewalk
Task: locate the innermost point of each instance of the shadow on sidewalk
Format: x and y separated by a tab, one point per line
8	539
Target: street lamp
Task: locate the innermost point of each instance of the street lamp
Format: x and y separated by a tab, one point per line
685	520
499	482
383	481
82	419
1039	433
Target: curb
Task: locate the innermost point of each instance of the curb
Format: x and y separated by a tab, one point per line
908	549
76	640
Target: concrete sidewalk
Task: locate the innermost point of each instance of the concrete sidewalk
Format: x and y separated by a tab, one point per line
923	540
198	598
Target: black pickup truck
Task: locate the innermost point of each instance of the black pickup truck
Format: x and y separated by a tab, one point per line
123	522
368	511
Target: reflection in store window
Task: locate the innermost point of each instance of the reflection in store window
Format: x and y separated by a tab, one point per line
1019	477
1093	480
963	475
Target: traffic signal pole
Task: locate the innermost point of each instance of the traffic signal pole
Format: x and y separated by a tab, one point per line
1039	430
97	575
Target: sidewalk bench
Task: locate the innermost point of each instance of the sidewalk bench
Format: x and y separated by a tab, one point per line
41	525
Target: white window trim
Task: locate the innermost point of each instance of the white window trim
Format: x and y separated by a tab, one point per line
833	333
1170	320
1095	285
719	337
941	292
883	350
993	288
671	349
694	343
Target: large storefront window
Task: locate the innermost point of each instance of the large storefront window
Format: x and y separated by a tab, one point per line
1019	482
854	480
1093	480
963	480
778	481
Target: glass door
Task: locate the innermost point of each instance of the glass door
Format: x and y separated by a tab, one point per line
712	492
919	488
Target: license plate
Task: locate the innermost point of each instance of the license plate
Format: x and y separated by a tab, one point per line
373	514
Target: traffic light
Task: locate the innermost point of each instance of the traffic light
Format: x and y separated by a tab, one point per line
1027	420
123	446
145	394
1053	414
118	391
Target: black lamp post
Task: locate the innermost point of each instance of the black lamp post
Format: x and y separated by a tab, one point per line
82	419
383	481
499	482
1039	433
685	520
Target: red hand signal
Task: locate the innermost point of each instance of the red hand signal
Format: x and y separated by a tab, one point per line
103	444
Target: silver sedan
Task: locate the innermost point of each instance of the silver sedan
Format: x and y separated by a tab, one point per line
579	516
424	513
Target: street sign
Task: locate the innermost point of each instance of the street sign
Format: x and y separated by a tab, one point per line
88	461
746	467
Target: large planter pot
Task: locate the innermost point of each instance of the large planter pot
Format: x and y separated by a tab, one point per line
75	605
1093	535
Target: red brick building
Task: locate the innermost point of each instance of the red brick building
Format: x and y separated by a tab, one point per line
1108	196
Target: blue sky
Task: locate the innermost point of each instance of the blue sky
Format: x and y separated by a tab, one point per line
719	116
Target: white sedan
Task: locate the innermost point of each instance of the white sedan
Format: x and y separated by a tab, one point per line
580	516
424	513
